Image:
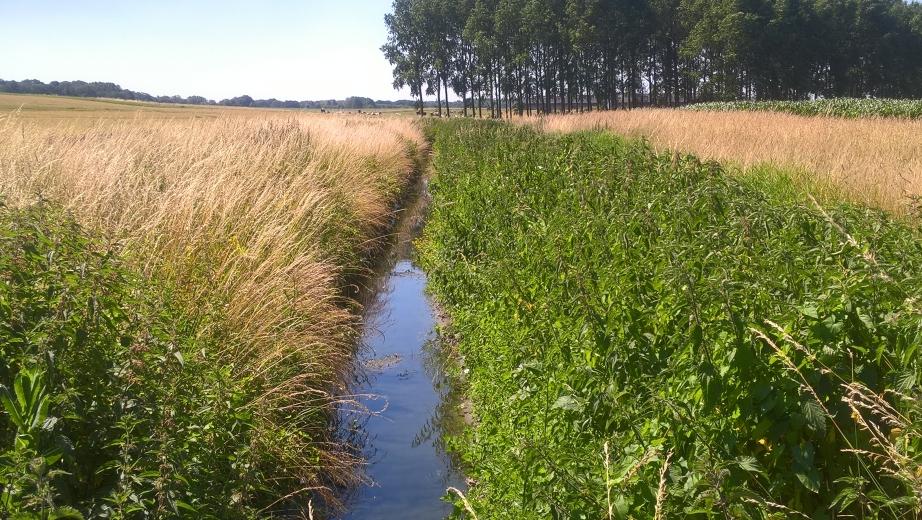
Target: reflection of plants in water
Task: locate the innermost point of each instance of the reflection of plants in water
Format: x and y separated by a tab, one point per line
448	417
355	411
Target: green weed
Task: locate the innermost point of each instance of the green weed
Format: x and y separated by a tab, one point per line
643	335
112	405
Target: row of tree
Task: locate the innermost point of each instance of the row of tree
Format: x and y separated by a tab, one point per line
515	56
98	89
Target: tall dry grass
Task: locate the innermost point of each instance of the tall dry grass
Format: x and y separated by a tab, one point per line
874	161
256	223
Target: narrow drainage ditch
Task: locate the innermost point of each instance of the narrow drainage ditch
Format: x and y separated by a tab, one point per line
407	393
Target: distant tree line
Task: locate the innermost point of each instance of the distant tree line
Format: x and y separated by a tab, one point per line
514	56
98	89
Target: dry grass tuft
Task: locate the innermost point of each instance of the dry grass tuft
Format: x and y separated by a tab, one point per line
256	222
892	434
874	161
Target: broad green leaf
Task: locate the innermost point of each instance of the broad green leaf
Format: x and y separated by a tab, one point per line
567	402
815	416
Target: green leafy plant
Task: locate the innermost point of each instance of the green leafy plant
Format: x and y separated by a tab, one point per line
28	408
28	469
111	405
642	335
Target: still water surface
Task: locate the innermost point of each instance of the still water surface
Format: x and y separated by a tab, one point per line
410	469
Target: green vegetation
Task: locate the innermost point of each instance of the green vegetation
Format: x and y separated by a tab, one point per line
841	107
115	406
505	57
642	335
175	340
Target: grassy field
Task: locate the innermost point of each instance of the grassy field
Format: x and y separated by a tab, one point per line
871	161
53	109
177	319
643	335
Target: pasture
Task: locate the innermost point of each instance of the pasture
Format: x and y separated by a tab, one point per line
54	109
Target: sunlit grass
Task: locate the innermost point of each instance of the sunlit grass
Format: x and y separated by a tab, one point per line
874	161
257	224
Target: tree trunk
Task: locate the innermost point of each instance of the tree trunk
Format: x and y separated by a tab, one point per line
447	106
438	96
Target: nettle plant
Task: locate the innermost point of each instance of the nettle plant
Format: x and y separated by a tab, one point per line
45	267
28	469
109	405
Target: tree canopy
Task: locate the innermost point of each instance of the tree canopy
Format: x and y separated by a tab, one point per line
516	56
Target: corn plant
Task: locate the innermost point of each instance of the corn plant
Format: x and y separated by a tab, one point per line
836	107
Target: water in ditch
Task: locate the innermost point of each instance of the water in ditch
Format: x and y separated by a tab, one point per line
408	395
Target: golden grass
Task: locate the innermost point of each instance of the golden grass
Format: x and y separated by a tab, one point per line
873	161
53	109
255	220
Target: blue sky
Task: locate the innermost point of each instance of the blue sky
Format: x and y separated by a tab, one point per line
286	49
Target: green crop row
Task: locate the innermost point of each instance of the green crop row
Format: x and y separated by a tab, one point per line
838	107
642	335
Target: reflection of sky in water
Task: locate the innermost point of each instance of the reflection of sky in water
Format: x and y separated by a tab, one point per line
410	471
